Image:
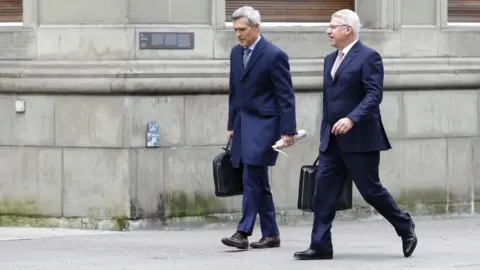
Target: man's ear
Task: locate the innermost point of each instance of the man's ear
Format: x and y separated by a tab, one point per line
349	30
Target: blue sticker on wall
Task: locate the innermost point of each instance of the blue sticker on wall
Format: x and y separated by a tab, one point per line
153	134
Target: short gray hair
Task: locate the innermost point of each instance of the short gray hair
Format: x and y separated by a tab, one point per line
252	15
349	18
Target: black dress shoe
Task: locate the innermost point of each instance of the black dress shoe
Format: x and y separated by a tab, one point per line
311	254
267	242
409	242
237	240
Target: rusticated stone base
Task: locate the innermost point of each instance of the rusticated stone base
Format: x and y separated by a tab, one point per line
114	224
288	217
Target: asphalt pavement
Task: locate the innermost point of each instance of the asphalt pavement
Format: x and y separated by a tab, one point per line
444	243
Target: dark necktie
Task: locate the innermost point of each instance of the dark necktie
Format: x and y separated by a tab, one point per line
246	56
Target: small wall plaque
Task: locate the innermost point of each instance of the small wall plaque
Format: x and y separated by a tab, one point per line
166	41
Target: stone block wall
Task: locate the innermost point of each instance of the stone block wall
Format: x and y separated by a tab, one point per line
85	156
78	152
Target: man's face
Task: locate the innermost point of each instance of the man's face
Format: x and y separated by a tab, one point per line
246	34
338	32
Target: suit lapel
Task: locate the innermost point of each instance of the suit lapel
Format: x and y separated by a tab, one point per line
329	65
350	56
256	55
239	56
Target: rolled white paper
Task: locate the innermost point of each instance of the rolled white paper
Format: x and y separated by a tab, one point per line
280	144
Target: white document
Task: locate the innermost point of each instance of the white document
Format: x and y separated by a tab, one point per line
280	144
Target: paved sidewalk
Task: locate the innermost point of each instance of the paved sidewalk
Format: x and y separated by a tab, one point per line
446	243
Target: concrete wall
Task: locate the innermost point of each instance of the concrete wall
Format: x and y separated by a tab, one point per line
79	149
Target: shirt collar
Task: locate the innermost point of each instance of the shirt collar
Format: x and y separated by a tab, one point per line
348	48
254	44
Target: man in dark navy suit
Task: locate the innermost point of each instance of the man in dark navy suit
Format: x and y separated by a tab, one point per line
261	111
352	136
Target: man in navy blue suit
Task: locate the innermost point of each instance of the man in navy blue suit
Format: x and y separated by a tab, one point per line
352	136
261	111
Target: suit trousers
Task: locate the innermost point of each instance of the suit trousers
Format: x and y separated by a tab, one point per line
363	168
257	199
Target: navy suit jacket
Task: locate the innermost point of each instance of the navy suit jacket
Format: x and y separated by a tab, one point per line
261	103
355	92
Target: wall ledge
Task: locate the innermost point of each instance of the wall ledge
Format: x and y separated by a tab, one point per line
211	76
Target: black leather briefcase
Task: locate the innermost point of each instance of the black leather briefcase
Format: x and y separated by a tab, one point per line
307	188
228	180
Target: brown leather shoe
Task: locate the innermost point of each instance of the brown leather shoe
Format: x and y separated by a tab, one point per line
267	242
237	240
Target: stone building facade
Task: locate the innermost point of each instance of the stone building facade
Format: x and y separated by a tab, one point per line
92	73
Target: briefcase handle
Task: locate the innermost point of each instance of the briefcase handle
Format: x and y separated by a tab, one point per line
316	161
227	147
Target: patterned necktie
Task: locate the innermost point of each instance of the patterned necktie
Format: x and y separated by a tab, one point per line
337	63
246	56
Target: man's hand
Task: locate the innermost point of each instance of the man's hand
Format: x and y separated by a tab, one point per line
288	140
229	134
342	126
